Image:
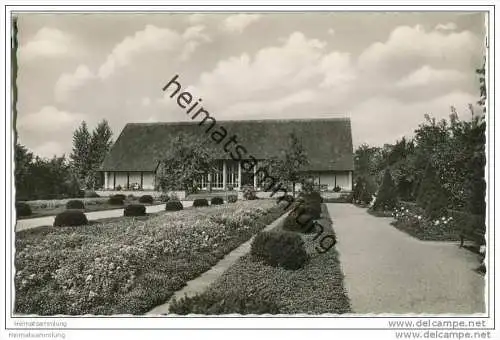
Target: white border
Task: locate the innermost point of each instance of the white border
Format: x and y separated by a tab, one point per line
345	321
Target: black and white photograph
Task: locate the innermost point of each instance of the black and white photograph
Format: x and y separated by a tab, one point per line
167	165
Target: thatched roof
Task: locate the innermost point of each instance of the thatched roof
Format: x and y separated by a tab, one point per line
328	142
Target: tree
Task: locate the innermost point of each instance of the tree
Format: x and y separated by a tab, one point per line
89	151
431	196
387	194
100	143
289	168
185	163
23	161
80	156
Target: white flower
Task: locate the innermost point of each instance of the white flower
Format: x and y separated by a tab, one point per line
419	217
436	222
89	277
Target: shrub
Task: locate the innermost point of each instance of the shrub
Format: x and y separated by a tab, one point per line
164	198
131	197
299	220
286	198
70	218
75	204
134	210
283	249
116	200
431	195
173	206
90	194
23	209
216	201
120	196
200	202
249	193
387	194
337	189
232	198
227	303
147	199
118	187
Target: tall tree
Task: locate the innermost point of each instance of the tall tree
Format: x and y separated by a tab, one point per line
187	160
22	173
80	153
291	165
100	143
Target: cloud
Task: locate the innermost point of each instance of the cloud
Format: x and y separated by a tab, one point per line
410	47
68	82
446	27
331	31
427	75
49	120
143	43
47	43
298	62
152	39
238	22
49	149
196	18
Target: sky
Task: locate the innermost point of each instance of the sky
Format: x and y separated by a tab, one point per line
384	71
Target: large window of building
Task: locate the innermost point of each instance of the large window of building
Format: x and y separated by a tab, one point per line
232	174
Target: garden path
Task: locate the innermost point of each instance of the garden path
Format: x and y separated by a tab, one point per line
201	283
388	271
94	215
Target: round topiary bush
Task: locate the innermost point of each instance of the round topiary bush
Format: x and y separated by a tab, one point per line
116	200
70	218
134	210
23	209
147	199
75	204
216	201
299	220
120	196
232	198
173	206
279	249
200	202
249	193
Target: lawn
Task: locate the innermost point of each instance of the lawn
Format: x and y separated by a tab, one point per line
128	265
317	288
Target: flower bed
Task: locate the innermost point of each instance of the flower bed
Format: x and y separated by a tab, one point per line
411	219
128	266
251	287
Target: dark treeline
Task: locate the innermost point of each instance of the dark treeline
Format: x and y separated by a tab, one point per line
61	176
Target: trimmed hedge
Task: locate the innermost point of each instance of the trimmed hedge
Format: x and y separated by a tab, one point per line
134	210
216	304
147	199
173	206
249	193
200	202
23	209
90	194
116	200
75	204
121	196
279	249
216	201
70	218
232	198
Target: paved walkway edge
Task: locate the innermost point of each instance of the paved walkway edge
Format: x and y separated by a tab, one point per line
201	283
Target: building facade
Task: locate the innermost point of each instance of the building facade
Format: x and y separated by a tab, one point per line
134	160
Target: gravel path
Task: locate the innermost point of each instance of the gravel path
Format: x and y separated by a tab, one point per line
388	271
94	215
